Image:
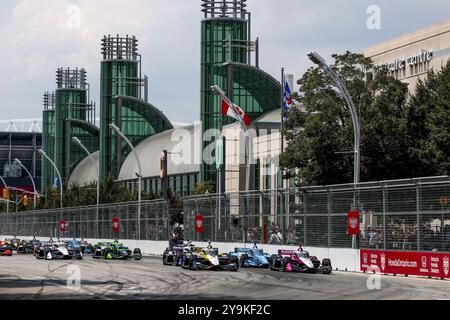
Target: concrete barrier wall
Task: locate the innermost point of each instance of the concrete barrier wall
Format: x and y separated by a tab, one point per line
343	259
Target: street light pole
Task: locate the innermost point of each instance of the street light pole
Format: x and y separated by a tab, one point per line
6	187
317	59
42	152
124	137
82	146
32	180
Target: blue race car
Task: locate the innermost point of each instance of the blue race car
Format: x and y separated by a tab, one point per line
82	246
252	257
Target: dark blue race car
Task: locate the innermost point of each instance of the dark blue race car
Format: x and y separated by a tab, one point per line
252	257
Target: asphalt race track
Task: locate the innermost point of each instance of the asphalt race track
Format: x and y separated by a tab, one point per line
25	277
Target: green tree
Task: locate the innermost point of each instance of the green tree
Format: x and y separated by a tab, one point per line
204	187
320	133
175	207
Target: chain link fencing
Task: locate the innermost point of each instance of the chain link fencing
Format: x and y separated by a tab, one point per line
394	215
92	222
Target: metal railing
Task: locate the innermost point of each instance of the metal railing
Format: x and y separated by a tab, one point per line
91	222
395	215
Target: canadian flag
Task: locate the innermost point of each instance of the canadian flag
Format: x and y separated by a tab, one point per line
227	110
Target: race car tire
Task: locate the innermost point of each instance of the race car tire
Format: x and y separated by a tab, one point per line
137	253
192	265
164	259
234	260
46	252
285	262
244	258
273	258
185	262
79	254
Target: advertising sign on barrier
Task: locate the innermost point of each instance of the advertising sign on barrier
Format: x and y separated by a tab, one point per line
353	223
115	225
62	226
428	264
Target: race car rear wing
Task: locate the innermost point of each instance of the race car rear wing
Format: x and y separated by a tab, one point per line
241	250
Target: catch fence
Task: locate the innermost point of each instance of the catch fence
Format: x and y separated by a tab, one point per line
394	215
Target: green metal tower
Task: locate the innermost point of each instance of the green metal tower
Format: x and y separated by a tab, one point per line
74	117
119	75
224	22
67	113
226	49
48	138
123	104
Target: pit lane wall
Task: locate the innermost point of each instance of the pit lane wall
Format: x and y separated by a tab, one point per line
342	259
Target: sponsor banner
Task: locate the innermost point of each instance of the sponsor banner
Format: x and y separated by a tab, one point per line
62	226
429	264
353	223
285	252
199	223
115	225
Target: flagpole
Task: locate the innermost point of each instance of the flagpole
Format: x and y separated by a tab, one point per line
238	116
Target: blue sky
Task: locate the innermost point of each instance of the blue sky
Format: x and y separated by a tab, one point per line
38	36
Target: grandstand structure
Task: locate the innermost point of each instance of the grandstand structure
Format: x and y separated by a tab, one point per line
20	139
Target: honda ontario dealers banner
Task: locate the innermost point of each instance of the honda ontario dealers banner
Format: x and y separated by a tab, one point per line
429	264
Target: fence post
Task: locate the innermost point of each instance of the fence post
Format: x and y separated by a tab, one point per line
261	213
329	209
228	217
305	204
418	215
168	218
193	221
127	223
213	218
283	227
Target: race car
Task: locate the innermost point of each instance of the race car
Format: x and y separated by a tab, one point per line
57	251
13	242
173	255
209	259
115	251
28	247
299	261
252	257
6	249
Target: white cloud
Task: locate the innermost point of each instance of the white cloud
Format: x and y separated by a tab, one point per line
38	37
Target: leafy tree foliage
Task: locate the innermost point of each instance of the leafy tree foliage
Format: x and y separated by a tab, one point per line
429	125
320	132
204	187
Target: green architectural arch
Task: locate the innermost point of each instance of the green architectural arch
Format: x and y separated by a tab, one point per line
253	89
89	136
138	120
